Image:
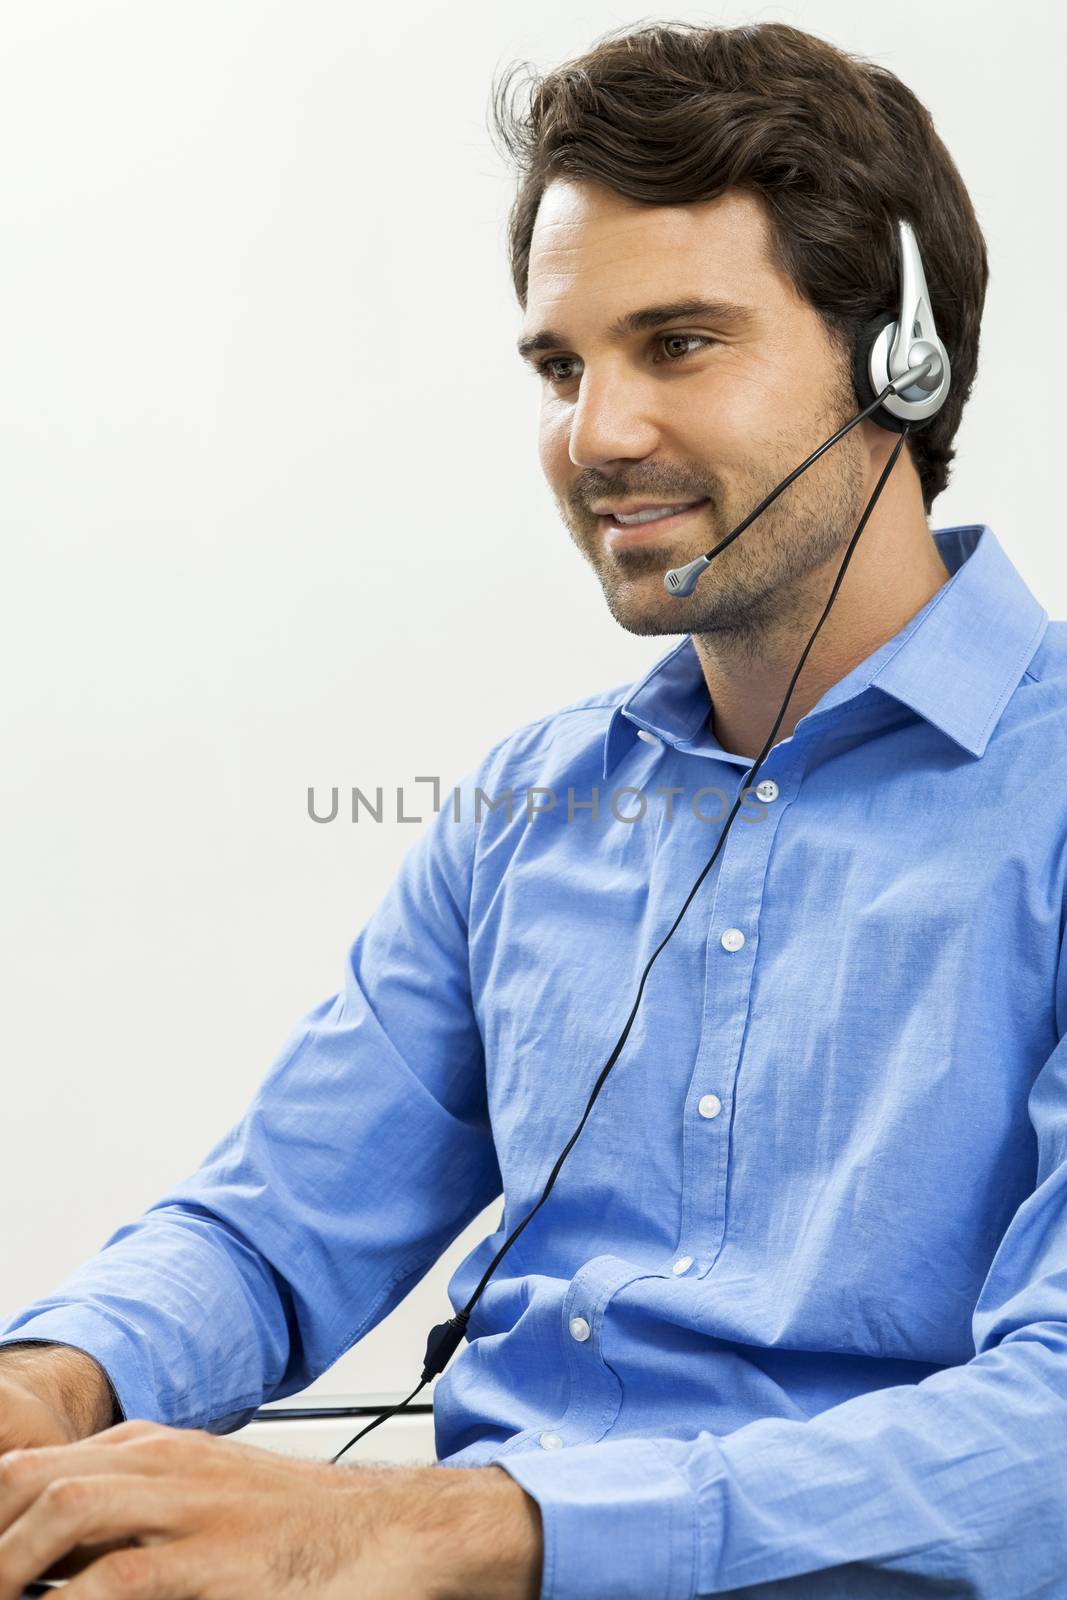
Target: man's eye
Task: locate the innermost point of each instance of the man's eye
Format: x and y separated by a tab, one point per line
545	368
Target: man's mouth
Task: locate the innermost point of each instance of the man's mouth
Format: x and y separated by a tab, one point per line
627	527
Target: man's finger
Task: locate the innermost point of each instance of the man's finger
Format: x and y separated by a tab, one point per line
159	1572
141	1448
95	1510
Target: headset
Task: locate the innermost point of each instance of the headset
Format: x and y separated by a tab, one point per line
902	375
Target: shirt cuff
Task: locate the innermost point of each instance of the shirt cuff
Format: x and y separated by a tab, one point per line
619	1520
85	1329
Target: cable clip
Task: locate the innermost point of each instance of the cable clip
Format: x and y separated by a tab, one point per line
442	1344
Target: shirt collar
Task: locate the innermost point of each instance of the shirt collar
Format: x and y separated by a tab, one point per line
956	662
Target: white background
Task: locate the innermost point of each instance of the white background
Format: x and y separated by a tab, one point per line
272	516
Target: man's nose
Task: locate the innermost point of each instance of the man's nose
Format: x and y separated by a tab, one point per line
610	422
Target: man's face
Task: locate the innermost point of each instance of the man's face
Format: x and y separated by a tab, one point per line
709	406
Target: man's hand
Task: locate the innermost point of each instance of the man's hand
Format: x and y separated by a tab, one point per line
156	1513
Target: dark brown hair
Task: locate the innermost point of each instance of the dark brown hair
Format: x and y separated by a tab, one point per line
834	145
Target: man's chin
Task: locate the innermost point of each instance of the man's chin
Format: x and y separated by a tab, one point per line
643	613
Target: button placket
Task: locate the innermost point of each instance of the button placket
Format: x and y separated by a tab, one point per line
731	951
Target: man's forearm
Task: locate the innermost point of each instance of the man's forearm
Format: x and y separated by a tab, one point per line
76	1384
482	1533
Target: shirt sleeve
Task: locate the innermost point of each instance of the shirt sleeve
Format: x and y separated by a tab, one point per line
365	1152
955	1486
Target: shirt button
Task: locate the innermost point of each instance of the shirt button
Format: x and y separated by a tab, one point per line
579	1328
683	1264
710	1105
649	738
732	939
767	790
551	1441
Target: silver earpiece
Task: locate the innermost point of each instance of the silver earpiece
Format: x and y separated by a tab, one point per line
910	340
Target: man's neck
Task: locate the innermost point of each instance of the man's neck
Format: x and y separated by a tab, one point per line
893	572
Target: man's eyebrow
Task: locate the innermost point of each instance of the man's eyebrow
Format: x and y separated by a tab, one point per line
723	312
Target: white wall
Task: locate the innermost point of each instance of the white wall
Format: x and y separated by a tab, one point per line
272	516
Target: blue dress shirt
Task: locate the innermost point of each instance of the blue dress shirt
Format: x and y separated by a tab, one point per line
793	1321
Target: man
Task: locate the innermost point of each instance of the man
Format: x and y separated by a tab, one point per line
793	1319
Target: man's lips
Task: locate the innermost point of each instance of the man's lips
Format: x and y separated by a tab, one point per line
616	533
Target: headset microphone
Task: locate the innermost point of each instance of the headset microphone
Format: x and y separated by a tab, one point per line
902	375
902	379
683	580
